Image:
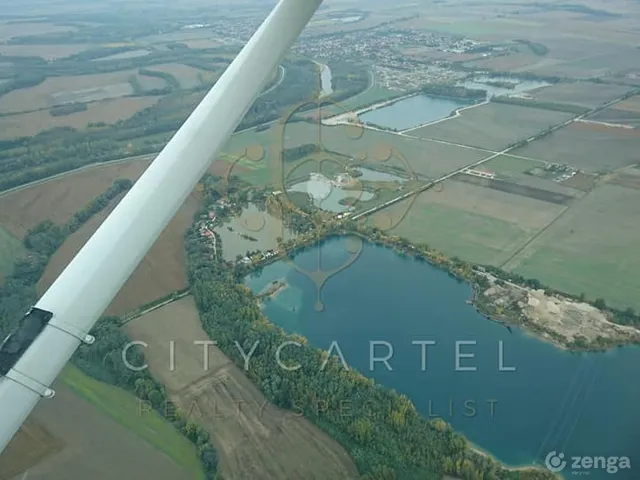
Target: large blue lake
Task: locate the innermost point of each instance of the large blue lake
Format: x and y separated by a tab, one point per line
422	109
413	111
578	404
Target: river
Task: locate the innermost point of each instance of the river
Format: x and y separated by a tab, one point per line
578	404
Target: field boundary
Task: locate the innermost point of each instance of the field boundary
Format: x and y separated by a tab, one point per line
155	305
540	232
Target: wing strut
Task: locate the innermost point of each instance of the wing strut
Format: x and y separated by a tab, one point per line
83	291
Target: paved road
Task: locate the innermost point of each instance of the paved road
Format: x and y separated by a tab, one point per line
480	162
427	186
283	72
76	170
125	159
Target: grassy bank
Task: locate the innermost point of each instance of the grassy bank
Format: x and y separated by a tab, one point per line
131	413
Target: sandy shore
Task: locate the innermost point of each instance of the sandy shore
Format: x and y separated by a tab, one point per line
475	448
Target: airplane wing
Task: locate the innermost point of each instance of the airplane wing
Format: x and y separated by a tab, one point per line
33	356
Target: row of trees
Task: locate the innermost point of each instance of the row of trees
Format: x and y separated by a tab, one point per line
537	48
67	109
31	71
391	442
58	150
525	102
296	153
465	270
454	91
102	360
347	79
18	292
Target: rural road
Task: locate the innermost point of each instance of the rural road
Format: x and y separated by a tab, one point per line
132	316
91	166
480	162
428	185
151	155
76	170
129	159
283	72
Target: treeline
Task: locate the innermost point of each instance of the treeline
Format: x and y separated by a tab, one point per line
520	75
383	432
626	316
169	79
347	80
298	85
173	296
27	72
525	102
454	91
537	48
18	292
31	71
464	270
296	153
28	159
67	109
103	361
381	127
46	237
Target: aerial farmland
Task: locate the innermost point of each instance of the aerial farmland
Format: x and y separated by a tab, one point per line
493	126
587	146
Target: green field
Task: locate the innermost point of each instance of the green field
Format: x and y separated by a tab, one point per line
508	165
454	232
125	409
593	249
492	126
429	159
10	249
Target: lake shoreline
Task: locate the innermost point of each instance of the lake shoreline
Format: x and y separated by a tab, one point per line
475	448
522	317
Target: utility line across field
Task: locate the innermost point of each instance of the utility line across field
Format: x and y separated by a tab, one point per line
441	179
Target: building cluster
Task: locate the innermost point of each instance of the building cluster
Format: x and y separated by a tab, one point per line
230	31
385	48
480	173
402	78
257	257
382	45
562	172
208	221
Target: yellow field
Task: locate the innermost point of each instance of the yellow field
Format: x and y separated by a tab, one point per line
48	52
114	84
10	30
107	111
253	439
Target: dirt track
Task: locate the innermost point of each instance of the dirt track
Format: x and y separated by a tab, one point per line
253	439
